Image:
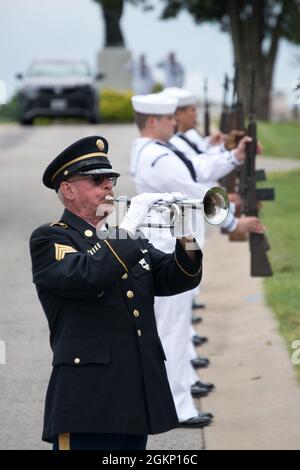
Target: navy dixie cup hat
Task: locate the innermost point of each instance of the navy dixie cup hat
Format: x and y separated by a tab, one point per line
87	156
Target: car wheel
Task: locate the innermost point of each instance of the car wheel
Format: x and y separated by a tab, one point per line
94	118
26	122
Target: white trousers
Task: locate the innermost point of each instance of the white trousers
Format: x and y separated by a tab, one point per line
173	317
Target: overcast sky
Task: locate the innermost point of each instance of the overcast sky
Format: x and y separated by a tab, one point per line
74	29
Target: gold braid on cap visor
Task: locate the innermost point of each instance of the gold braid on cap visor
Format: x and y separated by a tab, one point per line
78	159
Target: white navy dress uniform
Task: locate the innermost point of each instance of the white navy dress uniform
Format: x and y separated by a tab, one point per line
154	165
174	72
191	143
147	157
220	161
142	80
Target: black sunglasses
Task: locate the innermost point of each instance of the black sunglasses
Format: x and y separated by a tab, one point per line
98	180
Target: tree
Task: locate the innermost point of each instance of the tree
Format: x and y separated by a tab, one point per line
112	11
256	28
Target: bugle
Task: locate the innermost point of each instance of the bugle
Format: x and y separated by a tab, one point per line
214	205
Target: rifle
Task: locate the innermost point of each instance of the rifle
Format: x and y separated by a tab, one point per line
224	120
206	110
260	265
237	120
236	130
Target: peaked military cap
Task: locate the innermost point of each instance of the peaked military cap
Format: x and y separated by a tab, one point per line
87	156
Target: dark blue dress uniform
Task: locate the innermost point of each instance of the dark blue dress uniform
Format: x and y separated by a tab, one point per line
108	372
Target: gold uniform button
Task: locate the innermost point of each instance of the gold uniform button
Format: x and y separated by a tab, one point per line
136	313
139	332
88	233
130	294
77	360
125	276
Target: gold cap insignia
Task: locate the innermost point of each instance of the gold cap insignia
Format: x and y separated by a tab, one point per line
100	144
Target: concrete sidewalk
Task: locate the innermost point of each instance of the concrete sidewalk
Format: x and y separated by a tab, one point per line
257	399
274	164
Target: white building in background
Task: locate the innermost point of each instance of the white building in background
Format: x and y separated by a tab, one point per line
3	94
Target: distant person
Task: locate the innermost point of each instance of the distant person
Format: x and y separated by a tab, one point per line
174	71
142	80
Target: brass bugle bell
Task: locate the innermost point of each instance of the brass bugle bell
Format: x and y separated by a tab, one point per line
214	205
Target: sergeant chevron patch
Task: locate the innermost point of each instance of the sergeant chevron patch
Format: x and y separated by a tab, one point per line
62	250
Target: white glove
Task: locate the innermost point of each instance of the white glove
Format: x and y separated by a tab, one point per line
170	197
139	208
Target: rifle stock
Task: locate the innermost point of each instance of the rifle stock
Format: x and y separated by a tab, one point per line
260	265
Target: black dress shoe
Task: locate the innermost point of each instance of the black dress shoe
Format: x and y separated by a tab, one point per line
195	306
200	362
196	320
208	386
198	340
196	422
198	392
204	413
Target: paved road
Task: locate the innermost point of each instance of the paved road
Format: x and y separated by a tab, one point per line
257	401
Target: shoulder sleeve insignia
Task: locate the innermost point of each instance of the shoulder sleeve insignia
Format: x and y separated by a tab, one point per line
62	250
60	224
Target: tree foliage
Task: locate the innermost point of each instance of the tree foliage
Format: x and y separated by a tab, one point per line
256	28
269	12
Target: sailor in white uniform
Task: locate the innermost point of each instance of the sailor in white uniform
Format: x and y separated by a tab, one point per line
173	70
157	164
188	140
141	77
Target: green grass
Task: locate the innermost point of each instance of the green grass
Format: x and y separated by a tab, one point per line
282	218
280	139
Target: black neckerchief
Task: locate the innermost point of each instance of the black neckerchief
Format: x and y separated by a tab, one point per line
182	157
189	142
